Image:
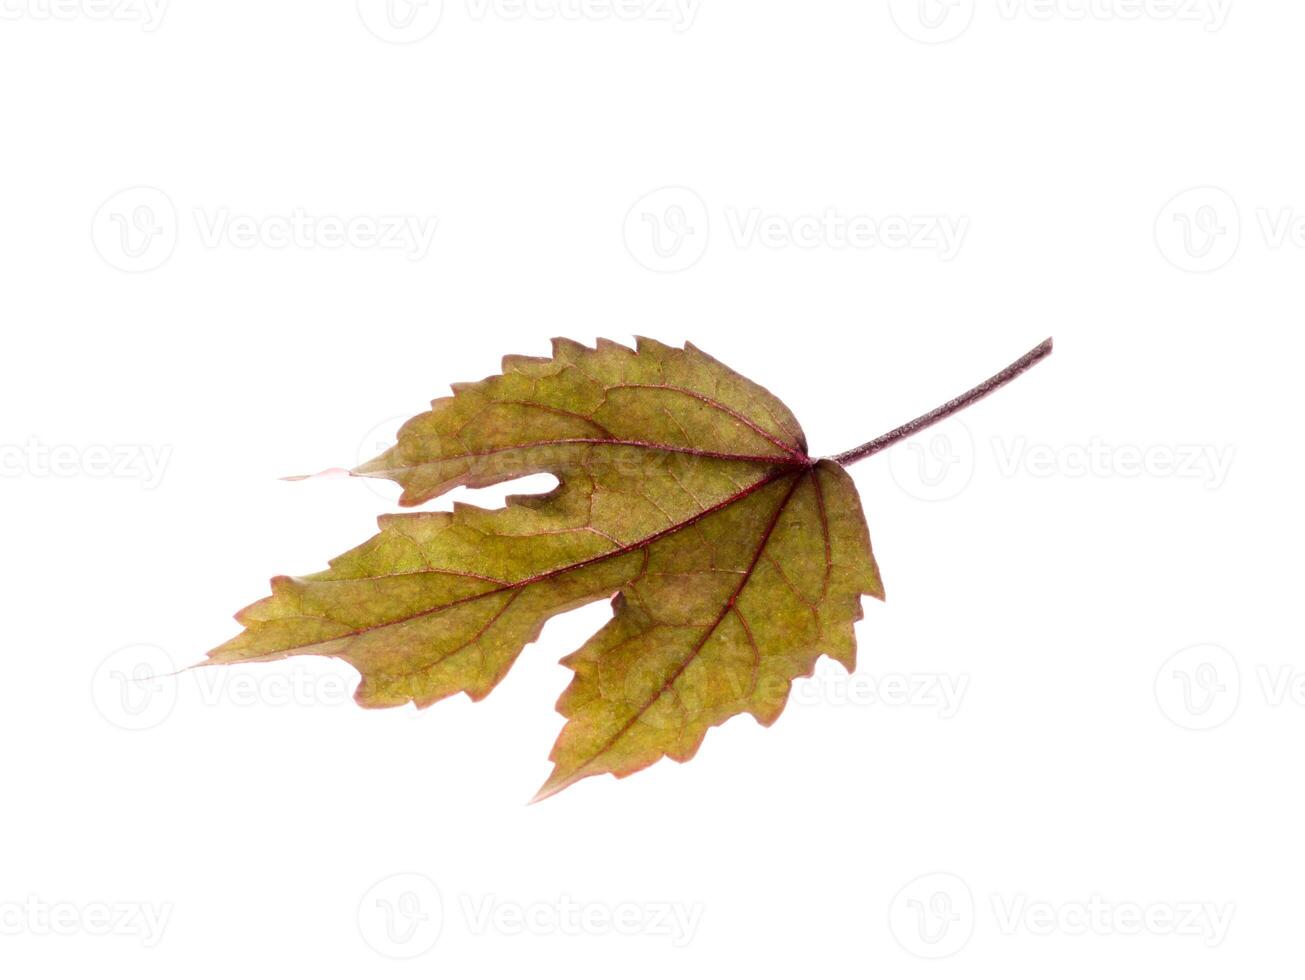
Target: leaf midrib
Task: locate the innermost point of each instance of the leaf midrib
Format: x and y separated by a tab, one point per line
615	553
791	458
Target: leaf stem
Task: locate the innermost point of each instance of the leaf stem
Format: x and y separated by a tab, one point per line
998	380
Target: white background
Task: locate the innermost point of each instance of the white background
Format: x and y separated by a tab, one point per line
1134	497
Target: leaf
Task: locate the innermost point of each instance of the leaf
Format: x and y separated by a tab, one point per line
686	490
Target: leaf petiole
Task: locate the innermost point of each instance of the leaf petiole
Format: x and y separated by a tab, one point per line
998	380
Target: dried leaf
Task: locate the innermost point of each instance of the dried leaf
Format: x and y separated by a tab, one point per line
685	489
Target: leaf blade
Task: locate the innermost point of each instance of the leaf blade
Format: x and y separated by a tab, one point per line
668	464
610	696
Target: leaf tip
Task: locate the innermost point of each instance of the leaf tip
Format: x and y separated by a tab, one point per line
333	472
555	783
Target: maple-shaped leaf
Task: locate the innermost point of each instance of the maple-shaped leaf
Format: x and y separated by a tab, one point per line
685	492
